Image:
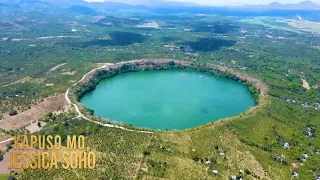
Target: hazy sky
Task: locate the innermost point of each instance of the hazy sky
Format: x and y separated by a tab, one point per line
214	2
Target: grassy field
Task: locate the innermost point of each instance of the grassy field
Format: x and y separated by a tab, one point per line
3	177
248	146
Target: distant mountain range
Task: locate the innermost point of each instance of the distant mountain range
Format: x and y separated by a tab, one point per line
168	4
95	7
155	3
308	5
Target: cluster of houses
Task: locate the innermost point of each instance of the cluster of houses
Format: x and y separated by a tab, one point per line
151	24
184	48
239	177
296	165
172	47
315	106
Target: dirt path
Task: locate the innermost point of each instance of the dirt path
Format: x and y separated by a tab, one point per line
305	84
57	66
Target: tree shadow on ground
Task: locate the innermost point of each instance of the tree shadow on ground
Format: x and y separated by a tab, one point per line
117	38
169	39
209	44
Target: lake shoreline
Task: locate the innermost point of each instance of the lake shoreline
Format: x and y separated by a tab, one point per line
168	99
91	79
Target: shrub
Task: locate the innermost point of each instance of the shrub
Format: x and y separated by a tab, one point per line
172	63
91	111
1	155
39	124
146	153
11	178
13	112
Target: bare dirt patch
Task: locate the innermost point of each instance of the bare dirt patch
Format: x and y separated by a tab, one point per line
304	25
70	73
49	84
57	66
4	164
104	64
3	147
25	118
305	84
34	127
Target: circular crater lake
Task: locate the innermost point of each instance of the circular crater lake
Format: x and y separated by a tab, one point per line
168	99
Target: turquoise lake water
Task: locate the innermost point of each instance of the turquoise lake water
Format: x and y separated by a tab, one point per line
169	99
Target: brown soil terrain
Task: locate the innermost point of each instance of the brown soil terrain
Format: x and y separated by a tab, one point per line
305	84
57	66
4	164
3	147
70	73
25	118
34	126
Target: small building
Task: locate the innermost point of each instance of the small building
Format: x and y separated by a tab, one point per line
188	30
295	174
233	177
215	172
286	145
144	166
